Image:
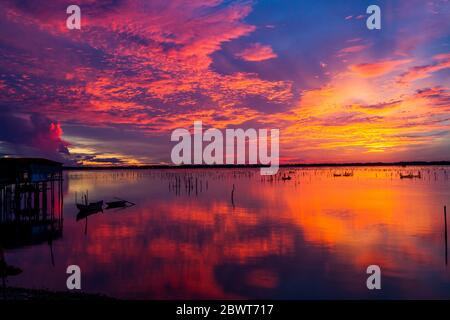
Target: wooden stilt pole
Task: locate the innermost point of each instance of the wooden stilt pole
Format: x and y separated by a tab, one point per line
445	232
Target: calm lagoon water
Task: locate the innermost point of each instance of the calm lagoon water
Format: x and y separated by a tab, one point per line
311	237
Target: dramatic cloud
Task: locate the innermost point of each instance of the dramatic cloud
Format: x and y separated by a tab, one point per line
138	69
33	132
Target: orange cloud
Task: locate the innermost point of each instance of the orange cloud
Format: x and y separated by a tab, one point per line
347	119
257	52
375	69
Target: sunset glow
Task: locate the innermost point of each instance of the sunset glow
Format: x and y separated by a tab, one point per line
111	93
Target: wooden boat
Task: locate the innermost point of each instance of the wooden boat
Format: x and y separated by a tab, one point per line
116	204
119	203
410	176
337	175
8	270
92	206
84	214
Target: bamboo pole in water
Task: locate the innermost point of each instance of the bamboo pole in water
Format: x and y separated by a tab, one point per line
445	232
232	196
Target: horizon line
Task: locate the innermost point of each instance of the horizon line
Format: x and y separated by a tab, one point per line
226	166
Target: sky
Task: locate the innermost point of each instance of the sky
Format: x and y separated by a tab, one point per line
112	92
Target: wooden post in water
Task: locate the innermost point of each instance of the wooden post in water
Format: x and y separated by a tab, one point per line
445	232
44	200
232	196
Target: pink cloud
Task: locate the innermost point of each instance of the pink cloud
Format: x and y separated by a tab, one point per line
167	50
257	52
352	49
425	71
442	56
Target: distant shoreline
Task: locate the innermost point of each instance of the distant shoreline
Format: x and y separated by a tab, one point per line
25	294
291	165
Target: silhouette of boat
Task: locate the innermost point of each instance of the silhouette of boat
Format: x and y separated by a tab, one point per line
84	214
91	207
119	203
116	204
410	176
284	178
345	174
8	270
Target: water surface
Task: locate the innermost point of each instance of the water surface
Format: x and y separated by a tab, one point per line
189	236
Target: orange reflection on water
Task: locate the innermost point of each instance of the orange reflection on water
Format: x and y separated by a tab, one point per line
310	237
365	215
